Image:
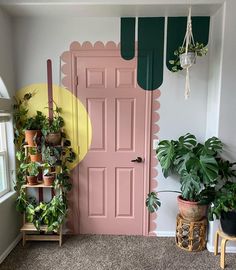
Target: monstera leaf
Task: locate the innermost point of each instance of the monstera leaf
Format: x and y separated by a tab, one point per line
190	185
152	202
188	141
212	146
165	154
209	169
206	166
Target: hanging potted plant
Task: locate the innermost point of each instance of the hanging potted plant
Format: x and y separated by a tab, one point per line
32	127
199	167
224	208
32	171
184	60
53	128
186	54
48	174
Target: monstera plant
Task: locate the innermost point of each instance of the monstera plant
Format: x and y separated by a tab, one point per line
199	167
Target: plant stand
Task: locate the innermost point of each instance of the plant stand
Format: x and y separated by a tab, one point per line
30	233
191	235
224	239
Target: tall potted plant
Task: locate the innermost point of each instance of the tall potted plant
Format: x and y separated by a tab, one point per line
199	167
31	170
52	129
33	126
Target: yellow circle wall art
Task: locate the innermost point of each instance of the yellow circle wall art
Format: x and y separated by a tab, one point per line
77	122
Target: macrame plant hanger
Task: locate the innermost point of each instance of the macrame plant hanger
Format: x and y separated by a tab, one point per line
188	40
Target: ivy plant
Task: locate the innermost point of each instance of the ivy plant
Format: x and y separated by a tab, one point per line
199	49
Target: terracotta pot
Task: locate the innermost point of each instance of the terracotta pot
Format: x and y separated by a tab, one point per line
191	211
36	157
31	135
54	138
48	180
32	180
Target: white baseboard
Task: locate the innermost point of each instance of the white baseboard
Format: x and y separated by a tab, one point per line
165	233
229	249
10	248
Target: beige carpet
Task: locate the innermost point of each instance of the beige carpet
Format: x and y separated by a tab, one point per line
111	253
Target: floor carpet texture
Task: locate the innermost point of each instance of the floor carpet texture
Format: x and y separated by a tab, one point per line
95	252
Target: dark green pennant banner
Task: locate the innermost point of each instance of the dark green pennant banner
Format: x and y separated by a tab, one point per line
150	52
127	38
176	30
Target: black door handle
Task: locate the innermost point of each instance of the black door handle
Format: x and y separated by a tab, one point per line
138	160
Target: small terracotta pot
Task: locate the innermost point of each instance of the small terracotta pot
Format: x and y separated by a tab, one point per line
30	135
191	211
54	138
32	180
48	180
36	158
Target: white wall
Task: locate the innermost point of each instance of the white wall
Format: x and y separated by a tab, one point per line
36	40
6	56
9	219
225	22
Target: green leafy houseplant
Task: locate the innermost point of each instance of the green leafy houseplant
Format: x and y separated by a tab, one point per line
31	169
224	208
35	122
199	167
225	201
56	160
199	49
20	116
52	129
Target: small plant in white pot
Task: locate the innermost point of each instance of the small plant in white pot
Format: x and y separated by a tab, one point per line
184	59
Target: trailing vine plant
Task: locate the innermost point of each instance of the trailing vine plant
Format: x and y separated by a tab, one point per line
57	158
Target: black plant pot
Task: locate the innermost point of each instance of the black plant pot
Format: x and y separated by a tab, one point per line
228	223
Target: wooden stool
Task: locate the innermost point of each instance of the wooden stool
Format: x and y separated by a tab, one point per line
191	235
224	240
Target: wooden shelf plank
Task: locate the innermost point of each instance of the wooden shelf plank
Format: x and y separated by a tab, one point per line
31	228
40	185
39	237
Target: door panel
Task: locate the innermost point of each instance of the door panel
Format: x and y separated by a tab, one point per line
111	187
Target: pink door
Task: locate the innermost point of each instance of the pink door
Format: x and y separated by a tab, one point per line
111	186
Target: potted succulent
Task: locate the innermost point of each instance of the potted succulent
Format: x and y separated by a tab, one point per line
199	167
224	208
33	126
184	59
32	171
48	175
53	127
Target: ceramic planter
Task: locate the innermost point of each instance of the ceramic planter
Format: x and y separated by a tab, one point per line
36	158
191	211
31	136
48	180
32	180
54	138
187	60
228	223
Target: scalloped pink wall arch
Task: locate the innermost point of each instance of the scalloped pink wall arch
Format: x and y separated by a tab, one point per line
68	82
